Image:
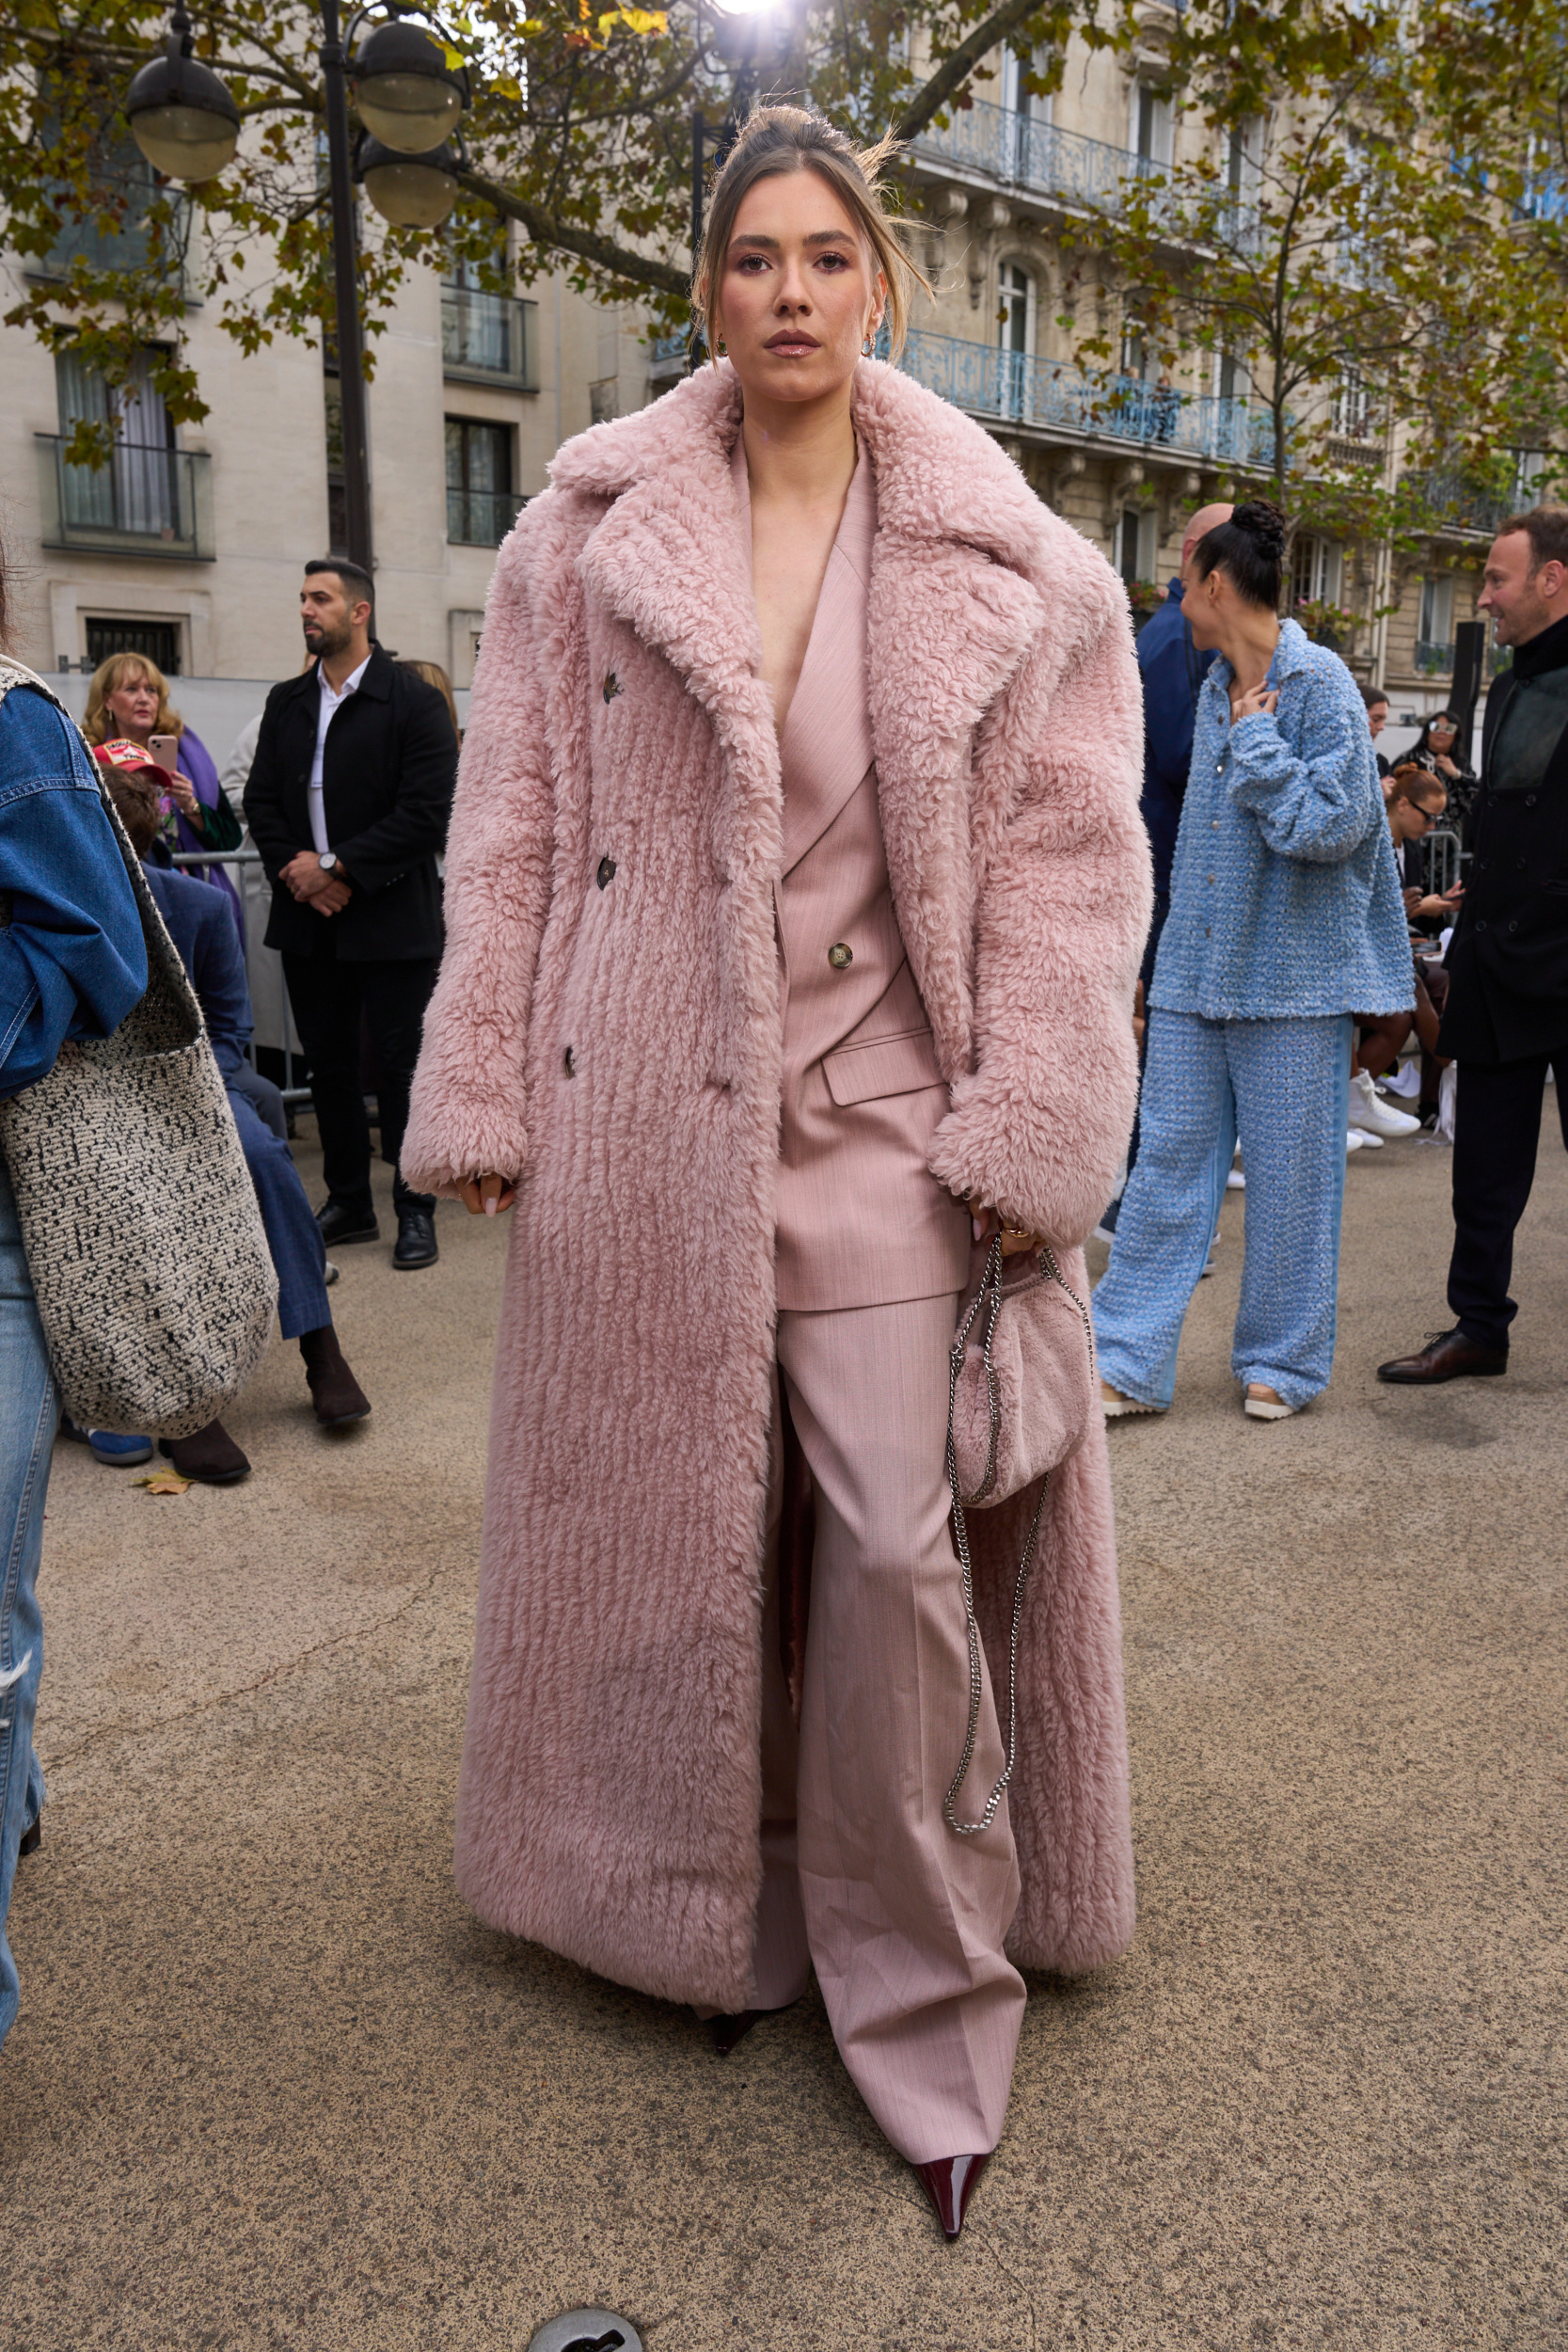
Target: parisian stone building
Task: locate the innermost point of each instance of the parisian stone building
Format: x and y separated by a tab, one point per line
189	545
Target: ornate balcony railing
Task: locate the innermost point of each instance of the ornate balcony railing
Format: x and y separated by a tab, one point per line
489	339
1448	501
668	356
145	502
1032	154
1048	393
1433	660
1545	198
481	518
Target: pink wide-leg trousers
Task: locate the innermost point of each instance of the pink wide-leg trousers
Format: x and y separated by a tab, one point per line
903	1920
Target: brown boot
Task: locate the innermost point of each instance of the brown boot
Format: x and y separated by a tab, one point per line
208	1456
338	1396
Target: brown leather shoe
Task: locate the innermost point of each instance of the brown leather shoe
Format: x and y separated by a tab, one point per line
949	2183
337	1397
1447	1356
209	1457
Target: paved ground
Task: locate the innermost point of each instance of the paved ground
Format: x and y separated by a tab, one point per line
273	2085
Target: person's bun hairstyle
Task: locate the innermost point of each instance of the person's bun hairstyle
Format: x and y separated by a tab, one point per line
1262	521
1249	549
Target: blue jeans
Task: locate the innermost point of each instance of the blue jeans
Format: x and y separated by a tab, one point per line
29	1410
293	1236
1281	1085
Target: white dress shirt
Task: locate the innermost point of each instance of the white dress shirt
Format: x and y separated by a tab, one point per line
331	697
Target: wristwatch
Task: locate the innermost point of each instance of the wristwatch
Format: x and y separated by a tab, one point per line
326	860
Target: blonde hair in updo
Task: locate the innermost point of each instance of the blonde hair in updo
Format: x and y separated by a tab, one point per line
778	139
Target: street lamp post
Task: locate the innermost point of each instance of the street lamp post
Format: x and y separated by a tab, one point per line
360	546
187	125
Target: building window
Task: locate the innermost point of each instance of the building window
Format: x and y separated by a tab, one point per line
142	497
1314	571
1434	638
1134	550
1229	378
486	335
1024	112
157	642
1015	334
1153	127
1134	351
1352	406
481	505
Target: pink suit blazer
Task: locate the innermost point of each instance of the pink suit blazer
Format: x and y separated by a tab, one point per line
861	1222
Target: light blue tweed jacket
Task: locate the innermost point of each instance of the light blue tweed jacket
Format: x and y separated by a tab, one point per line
1285	899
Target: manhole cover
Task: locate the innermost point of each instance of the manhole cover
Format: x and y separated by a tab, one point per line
586	2331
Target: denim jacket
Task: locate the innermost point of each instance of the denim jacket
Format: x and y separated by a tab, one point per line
1285	899
71	958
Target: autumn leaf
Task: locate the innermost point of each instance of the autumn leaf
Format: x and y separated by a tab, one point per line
163	1481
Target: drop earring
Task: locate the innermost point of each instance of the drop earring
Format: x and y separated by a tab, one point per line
867	346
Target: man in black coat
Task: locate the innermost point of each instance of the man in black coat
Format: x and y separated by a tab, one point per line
1506	1019
348	800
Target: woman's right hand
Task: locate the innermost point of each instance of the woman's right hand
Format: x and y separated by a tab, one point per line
487	1195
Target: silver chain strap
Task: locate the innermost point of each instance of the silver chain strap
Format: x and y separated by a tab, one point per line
989	1295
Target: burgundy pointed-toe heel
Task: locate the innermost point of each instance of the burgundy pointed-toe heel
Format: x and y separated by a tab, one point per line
949	2183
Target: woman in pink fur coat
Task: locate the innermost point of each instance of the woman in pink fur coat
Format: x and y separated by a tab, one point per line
796	892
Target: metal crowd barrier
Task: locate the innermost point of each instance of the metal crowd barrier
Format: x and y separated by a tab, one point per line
1444	850
269	999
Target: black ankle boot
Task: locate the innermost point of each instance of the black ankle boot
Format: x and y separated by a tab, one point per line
337	1394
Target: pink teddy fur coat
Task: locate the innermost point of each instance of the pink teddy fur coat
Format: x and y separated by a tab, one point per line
612	1041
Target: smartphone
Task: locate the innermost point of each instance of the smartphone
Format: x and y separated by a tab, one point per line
165	750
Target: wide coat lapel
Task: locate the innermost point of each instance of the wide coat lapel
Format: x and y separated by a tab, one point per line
936	580
670	557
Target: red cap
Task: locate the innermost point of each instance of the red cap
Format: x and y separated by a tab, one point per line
134	756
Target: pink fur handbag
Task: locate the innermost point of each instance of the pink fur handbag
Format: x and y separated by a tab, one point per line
1020	1398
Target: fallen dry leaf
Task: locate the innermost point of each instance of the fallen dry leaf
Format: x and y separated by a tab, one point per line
164	1482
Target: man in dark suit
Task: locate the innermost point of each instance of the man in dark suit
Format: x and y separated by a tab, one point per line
348	800
1506	1019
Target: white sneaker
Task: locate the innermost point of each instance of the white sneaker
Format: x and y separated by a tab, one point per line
1235	1182
1354	1140
1404	1080
1367	1142
1373	1116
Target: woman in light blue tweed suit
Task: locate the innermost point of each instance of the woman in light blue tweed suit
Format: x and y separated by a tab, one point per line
1284	919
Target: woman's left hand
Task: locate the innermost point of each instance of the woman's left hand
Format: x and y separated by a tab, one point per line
1258	701
1015	1239
182	793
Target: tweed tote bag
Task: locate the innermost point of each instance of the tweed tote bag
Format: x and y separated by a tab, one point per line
148	1259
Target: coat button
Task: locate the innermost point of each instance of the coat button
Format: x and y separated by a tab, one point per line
1529	800
571	1066
839	956
611	686
1513	927
1211	878
1482	924
607	871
